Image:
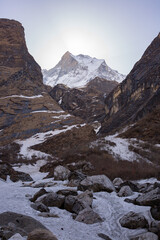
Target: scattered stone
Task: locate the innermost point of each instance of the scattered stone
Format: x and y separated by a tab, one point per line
125	191
41	234
83	165
117	182
53	200
96	184
69	203
40	207
145	236
38	194
154	227
67	192
61	173
83	200
43	184
104	236
129	200
75	178
7	170
21	176
47	215
75	204
150	198
88	216
131	184
146	187
155	212
17	236
133	220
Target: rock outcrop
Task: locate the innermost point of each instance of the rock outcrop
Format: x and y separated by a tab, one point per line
86	102
138	94
25	105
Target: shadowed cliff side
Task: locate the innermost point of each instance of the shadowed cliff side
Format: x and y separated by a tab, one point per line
138	94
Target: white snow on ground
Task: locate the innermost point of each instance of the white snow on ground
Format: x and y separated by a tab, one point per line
32	169
62	116
27	152
22	96
119	147
47	111
108	206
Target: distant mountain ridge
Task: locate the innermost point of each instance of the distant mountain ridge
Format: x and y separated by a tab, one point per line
77	71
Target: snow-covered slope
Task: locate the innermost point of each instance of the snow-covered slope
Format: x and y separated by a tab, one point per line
77	71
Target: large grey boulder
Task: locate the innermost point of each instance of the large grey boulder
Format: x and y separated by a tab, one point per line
53	200
145	236
61	173
83	200
41	234
96	183
88	216
75	204
150	198
133	220
13	223
125	191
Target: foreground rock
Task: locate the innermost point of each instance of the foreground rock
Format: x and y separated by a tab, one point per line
88	216
133	220
13	223
150	198
145	236
96	184
41	234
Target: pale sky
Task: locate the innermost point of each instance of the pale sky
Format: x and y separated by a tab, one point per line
118	31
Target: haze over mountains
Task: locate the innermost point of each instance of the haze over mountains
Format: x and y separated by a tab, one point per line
77	71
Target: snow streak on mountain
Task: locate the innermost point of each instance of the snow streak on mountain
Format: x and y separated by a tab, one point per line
77	71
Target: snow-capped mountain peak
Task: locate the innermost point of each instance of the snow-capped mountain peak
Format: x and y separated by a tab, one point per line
77	71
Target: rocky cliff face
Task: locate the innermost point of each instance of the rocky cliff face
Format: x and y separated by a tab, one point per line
25	105
15	61
87	102
138	94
